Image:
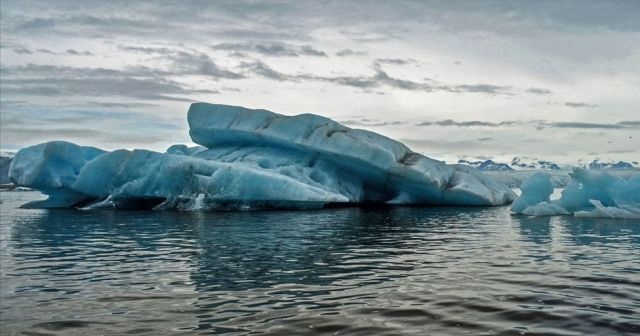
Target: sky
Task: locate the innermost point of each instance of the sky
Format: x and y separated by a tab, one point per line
554	80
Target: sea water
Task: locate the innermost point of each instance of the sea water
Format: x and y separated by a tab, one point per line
347	271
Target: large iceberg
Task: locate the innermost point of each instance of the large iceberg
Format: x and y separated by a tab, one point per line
253	159
588	194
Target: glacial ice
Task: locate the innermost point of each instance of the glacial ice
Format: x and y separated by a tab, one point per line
52	168
253	159
535	189
588	194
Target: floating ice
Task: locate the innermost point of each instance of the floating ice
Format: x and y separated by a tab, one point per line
588	194
256	158
52	168
535	189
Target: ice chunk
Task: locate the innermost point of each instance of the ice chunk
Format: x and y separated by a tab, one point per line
257	158
141	176
184	150
385	167
52	168
535	189
588	194
5	162
586	185
609	212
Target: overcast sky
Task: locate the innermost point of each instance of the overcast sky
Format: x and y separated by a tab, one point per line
479	79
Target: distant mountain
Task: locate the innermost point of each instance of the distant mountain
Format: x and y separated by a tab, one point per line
487	165
596	164
519	163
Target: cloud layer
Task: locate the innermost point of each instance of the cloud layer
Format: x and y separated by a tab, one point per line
561	73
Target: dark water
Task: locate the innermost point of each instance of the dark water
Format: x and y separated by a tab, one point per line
421	271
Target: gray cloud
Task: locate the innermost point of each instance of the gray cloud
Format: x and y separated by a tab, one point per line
445	145
380	78
29	132
356	82
113	124
134	82
34	114
136	45
622	124
200	64
539	91
31	70
310	51
148	50
139	82
294	20
539	124
46	51
383	77
230	89
620	151
78	53
481	88
396	61
349	52
271	49
578	105
127	105
630	123
22	51
185	63
146	89
41	134
263	70
471	123
372	123
86	20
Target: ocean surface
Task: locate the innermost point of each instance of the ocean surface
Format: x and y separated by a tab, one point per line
348	271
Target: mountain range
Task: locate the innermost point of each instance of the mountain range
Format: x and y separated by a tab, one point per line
519	163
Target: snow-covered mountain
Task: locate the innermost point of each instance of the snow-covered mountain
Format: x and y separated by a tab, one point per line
521	163
596	164
487	165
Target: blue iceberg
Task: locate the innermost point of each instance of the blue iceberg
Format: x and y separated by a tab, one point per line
250	159
588	194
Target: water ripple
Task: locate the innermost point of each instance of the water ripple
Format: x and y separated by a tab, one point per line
440	271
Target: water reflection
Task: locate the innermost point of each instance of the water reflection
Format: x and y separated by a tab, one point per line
351	270
587	231
534	229
230	251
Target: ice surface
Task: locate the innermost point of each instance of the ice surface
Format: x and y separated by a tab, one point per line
256	158
588	194
5	162
535	189
52	168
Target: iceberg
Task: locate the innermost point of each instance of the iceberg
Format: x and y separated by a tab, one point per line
247	159
588	194
52	168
